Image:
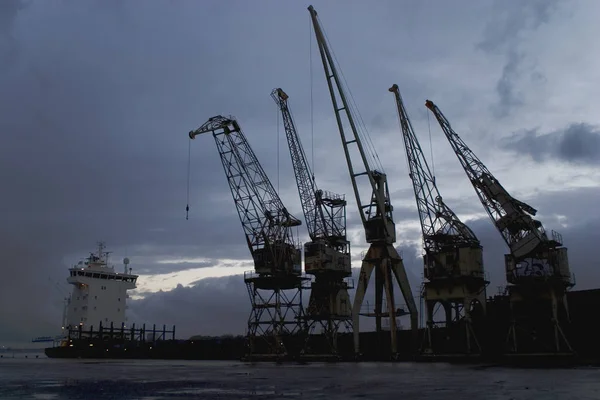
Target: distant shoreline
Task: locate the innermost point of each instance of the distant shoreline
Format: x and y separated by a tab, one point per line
21	350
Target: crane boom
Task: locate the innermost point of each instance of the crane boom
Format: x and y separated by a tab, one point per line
440	225
327	254
266	222
512	217
316	222
304	176
376	215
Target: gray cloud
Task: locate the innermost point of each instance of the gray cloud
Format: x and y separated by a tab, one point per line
508	27
575	204
213	306
98	99
578	143
9	11
220	305
156	268
508	95
216	306
511	19
92	150
579	235
225	301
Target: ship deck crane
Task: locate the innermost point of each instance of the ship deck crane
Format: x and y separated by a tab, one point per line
537	267
375	212
453	260
268	227
327	255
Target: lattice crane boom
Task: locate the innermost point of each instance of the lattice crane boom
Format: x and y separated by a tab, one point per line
304	177
327	254
376	216
513	218
266	222
440	225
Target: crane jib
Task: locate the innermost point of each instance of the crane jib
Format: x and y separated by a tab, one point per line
266	222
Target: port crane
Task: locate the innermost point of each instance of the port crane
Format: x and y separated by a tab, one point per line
537	267
375	213
327	255
453	259
268	227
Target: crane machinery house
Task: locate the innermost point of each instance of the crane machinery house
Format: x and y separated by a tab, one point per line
99	292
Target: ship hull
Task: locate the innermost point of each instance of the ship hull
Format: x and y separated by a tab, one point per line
188	351
491	332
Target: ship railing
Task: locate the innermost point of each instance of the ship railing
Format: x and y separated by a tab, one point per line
250	275
121	333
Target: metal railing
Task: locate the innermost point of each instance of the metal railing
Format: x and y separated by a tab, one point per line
557	237
369	308
325	194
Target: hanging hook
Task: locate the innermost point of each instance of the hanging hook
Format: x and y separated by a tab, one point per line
187	207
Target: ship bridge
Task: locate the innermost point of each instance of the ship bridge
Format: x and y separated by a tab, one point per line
99	292
106	273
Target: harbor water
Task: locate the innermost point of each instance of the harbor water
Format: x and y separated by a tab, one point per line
23	376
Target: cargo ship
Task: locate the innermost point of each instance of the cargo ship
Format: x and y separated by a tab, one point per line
97	304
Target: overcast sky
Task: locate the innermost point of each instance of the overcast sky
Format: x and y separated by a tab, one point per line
97	97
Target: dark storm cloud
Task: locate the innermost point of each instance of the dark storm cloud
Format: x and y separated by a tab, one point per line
217	306
221	305
95	108
511	18
95	141
213	306
509	97
508	27
225	303
579	236
9	11
578	143
95	111
156	268
578	205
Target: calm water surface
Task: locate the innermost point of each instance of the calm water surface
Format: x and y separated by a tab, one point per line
43	378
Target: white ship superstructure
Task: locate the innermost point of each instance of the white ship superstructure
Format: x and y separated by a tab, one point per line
99	292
